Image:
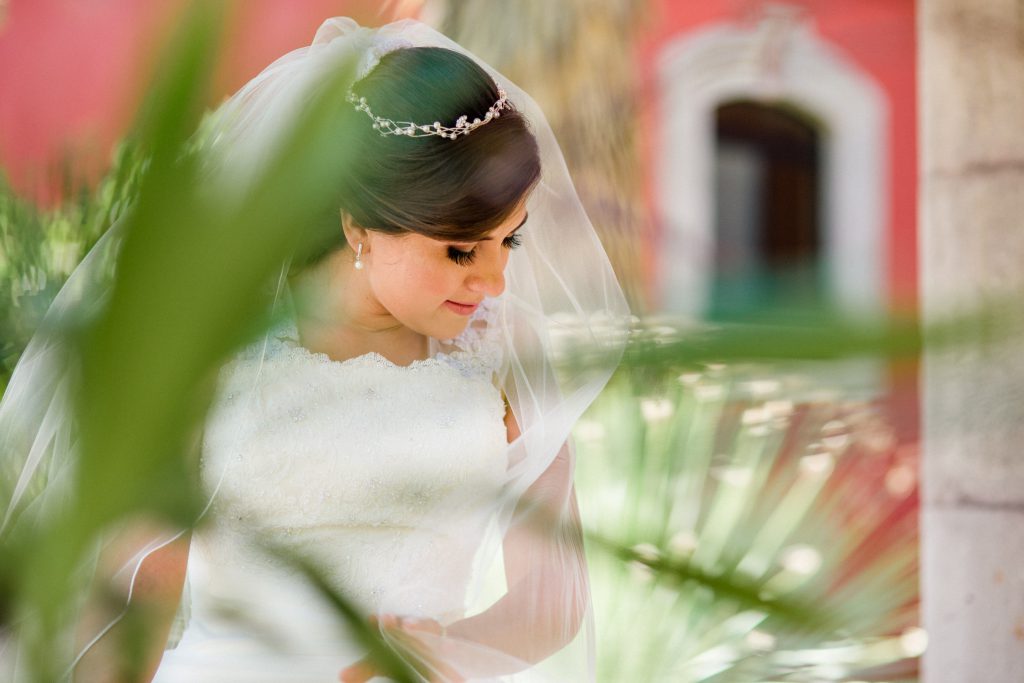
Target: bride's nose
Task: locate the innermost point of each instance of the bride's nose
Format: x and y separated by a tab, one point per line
488	278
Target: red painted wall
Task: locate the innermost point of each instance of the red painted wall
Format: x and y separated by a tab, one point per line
880	37
72	72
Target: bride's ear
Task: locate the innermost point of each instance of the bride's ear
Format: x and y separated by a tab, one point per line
354	233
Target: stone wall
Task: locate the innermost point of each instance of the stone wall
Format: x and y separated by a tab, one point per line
971	254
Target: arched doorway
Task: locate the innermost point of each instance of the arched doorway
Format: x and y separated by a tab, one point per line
768	233
724	64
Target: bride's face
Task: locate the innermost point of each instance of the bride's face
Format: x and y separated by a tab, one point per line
433	286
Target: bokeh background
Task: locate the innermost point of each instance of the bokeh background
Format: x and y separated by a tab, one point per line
753	509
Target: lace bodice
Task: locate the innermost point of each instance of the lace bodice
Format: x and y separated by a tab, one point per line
383	475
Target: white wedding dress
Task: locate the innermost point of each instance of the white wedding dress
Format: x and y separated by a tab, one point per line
346	463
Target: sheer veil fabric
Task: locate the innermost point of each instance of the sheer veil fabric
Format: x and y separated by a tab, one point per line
528	615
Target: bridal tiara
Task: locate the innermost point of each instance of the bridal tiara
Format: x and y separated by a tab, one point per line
463	126
382	45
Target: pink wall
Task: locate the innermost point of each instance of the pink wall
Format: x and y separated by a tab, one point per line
66	70
72	72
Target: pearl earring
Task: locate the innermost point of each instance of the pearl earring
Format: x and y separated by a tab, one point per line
359	253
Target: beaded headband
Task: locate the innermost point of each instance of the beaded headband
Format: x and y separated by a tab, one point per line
415	130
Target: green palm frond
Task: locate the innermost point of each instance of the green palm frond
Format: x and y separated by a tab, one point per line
737	535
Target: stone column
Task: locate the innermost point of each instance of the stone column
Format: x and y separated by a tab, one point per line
972	248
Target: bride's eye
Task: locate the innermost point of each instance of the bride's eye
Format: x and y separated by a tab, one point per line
463	258
513	241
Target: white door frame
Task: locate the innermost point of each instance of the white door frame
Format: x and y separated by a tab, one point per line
779	59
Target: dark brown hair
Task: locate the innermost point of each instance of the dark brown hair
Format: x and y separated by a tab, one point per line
456	190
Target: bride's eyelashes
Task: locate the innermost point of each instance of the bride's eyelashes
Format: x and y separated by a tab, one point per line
464	258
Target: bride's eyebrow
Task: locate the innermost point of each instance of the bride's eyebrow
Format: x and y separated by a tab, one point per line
521	224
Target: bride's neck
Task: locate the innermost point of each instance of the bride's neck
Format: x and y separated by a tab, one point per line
338	314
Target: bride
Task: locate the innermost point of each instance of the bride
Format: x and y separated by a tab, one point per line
405	428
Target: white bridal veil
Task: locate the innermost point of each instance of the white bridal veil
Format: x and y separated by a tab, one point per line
561	295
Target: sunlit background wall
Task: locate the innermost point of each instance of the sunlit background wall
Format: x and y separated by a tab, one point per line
743	161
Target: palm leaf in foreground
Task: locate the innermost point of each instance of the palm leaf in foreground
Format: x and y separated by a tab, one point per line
191	271
740	536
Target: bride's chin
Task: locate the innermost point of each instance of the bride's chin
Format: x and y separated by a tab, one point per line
450	329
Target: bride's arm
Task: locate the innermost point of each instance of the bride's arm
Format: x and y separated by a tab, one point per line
545	569
156	594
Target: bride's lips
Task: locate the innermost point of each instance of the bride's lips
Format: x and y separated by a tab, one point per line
461	309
